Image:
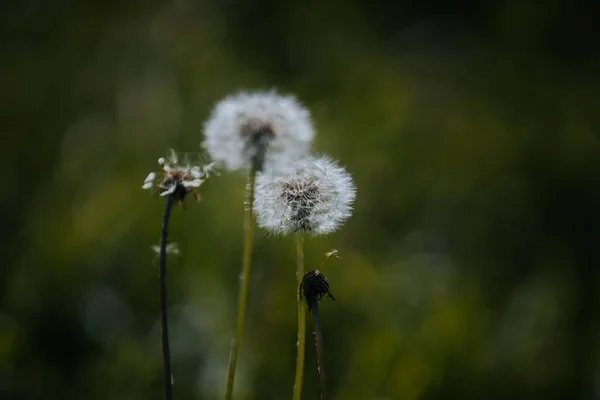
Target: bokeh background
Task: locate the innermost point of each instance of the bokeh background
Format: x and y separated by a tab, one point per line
469	269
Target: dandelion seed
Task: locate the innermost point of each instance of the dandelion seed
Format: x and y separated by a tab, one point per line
315	196
171	248
209	169
333	253
178	180
151	176
258	130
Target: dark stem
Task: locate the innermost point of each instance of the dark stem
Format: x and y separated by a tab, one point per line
163	296
319	340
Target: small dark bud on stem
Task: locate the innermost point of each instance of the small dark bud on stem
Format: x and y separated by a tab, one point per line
314	286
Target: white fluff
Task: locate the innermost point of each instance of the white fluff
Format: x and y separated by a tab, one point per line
288	120
315	195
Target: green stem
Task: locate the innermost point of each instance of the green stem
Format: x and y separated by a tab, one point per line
244	281
301	318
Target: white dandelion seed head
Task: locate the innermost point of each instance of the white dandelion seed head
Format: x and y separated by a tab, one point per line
263	128
315	195
178	179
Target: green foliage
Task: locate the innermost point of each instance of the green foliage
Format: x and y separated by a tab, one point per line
469	267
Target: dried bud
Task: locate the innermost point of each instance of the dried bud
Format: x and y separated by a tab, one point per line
313	287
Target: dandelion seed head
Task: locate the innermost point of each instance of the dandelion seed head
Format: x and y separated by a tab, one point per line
315	196
260	130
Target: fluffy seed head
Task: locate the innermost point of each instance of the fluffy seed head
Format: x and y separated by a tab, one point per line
315	195
258	130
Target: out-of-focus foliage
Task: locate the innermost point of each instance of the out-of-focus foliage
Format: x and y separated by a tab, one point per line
469	269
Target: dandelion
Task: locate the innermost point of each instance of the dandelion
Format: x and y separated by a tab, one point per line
332	253
258	130
255	131
177	181
314	196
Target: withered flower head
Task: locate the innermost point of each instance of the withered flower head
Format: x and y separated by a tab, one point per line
178	180
313	287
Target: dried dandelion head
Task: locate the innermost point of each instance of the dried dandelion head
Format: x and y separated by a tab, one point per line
315	196
313	287
261	130
178	179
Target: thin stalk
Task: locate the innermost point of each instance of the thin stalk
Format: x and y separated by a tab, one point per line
244	281
301	317
163	297
319	340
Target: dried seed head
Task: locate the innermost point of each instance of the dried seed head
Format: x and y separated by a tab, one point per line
315	195
178	180
313	287
258	130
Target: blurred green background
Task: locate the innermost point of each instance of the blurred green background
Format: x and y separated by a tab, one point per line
470	266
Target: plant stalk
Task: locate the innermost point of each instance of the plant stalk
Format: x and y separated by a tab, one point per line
319	341
244	282
163	297
301	317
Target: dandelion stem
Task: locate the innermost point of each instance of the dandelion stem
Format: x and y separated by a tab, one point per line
244	281
301	317
163	296
319	340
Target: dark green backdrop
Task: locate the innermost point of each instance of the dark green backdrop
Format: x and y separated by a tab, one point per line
469	267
